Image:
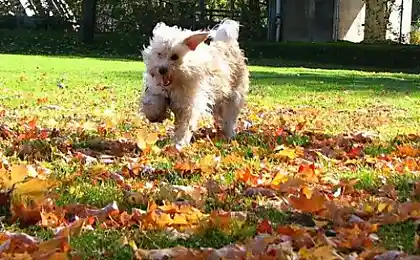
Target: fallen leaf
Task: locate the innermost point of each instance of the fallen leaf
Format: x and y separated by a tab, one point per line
313	204
264	227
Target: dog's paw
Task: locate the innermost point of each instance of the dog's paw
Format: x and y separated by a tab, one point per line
184	142
229	134
155	108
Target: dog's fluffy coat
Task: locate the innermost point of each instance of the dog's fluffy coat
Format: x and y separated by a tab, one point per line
194	79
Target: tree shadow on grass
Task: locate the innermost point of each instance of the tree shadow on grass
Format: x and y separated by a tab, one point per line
276	63
322	81
325	82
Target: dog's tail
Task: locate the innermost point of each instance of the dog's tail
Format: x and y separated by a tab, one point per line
227	30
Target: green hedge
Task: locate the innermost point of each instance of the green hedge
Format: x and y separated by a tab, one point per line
385	56
342	53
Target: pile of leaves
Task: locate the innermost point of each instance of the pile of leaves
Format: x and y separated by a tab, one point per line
276	164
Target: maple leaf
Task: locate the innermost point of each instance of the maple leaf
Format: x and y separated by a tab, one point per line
278	179
324	253
408	150
355	152
286	153
247	176
18	173
185	166
220	219
34	188
265	227
315	203
207	164
307	173
145	140
291	185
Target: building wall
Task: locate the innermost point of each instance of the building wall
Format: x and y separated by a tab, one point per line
307	20
351	20
352	15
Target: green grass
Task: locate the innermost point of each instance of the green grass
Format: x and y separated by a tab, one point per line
98	90
400	236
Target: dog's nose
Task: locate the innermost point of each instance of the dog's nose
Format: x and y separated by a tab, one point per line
163	70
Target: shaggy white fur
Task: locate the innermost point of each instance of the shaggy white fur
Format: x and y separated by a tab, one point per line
194	79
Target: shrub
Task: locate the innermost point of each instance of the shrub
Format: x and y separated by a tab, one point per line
342	53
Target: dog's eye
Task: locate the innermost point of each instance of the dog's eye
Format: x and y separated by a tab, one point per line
152	74
159	54
174	57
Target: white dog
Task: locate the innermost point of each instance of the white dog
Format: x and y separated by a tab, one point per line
193	79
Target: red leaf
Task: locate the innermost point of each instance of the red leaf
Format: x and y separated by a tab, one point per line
355	152
265	227
279	132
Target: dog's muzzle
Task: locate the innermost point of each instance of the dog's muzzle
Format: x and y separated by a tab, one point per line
166	78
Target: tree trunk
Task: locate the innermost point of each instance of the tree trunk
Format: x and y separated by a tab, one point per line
88	20
377	19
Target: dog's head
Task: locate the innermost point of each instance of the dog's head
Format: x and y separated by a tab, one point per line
168	54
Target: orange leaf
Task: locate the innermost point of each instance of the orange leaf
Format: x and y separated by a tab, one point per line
314	204
246	176
300	125
220	219
307	173
408	150
42	100
32	123
289	230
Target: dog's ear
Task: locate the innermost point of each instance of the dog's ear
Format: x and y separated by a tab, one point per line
194	40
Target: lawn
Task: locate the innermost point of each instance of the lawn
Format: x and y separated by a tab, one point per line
325	165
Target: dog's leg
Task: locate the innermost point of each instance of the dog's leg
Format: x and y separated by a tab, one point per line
185	124
229	114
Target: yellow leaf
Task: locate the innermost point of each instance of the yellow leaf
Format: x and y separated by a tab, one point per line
35	188
152	138
207	163
307	191
180	219
145	139
382	206
279	178
18	173
368	208
164	220
99	169
141	139
287	152
132	244
304	253
324	252
4	176
232	158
